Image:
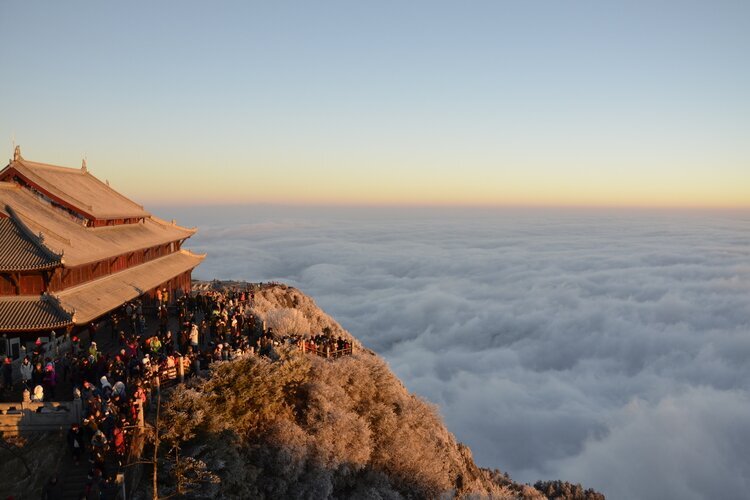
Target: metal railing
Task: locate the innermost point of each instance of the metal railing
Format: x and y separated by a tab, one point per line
325	351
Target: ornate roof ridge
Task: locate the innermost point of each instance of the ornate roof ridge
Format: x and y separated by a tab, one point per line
77	171
38	240
55	301
28	171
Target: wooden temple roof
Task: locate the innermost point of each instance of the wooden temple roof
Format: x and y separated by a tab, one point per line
31	313
76	188
65	234
46	218
94	298
21	250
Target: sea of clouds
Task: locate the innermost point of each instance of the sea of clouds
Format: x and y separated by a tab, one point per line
610	348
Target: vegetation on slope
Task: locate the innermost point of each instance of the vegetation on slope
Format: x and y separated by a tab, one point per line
290	312
292	425
303	427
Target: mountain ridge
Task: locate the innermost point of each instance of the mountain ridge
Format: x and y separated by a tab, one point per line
287	424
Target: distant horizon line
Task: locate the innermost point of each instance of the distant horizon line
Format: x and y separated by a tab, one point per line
540	206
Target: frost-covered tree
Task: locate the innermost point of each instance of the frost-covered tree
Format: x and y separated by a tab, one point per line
292	425
287	322
563	490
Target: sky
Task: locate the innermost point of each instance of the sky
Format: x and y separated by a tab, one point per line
609	348
580	103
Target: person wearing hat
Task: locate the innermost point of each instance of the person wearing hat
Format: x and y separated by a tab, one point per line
50	381
75	345
118	440
105	382
90	390
132	348
93	351
7	373
119	389
194	336
98	446
155	344
37	352
38	395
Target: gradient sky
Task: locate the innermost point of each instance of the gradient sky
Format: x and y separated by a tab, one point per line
525	102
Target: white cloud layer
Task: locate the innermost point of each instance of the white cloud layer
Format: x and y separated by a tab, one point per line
611	349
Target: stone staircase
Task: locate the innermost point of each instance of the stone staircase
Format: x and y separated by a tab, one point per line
74	478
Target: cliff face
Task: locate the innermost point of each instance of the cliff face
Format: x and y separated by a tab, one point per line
293	425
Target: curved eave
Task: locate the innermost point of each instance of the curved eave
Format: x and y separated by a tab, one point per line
45	267
35	328
190	230
32	313
77	263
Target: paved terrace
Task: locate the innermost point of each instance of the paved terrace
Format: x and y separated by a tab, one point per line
74	476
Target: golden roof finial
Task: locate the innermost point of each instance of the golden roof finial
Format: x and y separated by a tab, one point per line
17	154
83	165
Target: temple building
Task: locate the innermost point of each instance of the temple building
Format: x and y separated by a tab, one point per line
72	249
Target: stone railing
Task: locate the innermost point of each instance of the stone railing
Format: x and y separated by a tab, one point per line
22	417
54	348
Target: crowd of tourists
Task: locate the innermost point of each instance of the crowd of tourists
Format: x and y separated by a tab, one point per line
116	386
38	371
